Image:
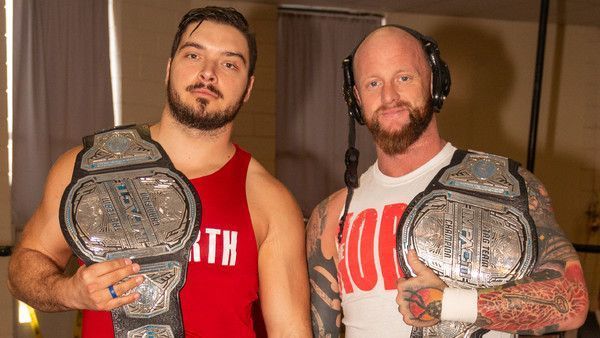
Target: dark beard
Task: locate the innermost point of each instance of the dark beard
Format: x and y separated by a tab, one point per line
198	117
396	142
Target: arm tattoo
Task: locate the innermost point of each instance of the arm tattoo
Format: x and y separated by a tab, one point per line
425	304
553	246
324	291
536	304
553	294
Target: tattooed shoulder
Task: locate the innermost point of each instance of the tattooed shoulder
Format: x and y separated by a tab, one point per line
539	199
553	246
318	221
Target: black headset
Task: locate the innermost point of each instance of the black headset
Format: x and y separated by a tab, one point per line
441	75
439	90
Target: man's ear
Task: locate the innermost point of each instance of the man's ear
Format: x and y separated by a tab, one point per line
249	88
168	71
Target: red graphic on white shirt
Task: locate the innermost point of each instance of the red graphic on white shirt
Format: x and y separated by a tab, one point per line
359	258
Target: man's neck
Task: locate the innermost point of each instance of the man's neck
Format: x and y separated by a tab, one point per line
416	155
194	152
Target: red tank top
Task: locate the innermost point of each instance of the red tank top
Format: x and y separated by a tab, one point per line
222	276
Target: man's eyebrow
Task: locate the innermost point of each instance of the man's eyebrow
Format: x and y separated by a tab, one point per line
226	53
236	54
191	44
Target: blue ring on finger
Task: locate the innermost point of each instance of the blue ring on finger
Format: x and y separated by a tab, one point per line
111	289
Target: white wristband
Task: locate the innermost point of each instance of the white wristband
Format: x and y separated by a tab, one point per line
459	305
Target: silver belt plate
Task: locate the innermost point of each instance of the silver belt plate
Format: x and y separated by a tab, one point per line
468	241
127	200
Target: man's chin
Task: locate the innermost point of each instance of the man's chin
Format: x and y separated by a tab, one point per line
392	127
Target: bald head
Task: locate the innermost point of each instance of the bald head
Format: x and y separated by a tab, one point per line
388	45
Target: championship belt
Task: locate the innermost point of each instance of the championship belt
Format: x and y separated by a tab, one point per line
126	199
472	227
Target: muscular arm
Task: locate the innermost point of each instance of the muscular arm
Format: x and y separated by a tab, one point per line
324	291
554	297
283	281
36	268
35	286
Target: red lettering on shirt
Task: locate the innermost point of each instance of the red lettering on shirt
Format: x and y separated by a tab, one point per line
361	260
357	263
387	244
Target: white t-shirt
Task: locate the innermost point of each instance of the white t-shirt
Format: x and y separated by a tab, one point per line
368	266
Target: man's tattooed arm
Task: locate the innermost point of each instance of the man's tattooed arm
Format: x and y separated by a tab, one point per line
554	297
324	292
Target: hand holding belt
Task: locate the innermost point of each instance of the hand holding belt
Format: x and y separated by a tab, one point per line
126	199
472	227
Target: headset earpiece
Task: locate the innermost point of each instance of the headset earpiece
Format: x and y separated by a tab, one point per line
440	73
353	107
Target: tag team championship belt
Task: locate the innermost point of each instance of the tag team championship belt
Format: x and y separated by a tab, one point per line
472	227
126	199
